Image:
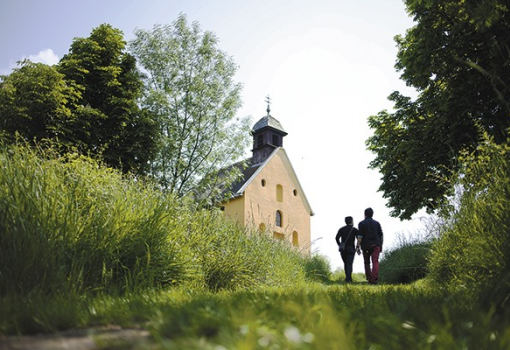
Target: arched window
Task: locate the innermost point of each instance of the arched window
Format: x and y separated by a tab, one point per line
279	193
295	239
278	220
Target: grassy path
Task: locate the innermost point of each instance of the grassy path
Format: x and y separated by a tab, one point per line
297	317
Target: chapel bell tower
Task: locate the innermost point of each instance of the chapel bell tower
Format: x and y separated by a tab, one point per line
267	135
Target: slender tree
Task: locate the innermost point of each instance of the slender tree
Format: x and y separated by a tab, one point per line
457	57
190	87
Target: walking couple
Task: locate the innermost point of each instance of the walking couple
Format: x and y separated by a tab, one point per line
369	239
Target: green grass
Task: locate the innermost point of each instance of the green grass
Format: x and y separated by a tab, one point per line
406	262
83	246
308	316
471	255
70	225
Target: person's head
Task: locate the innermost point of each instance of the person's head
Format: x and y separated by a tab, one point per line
369	212
348	220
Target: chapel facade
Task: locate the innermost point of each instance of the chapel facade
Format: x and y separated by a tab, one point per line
269	196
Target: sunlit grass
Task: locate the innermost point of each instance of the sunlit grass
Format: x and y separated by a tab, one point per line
70	225
304	317
407	261
82	246
471	255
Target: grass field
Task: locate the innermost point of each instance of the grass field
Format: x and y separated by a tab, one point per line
82	247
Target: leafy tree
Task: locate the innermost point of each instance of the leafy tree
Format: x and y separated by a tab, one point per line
109	120
457	56
36	102
190	88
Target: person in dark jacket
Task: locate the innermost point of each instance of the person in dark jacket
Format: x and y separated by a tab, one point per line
348	234
370	241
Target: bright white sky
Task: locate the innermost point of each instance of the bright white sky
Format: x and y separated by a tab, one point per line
326	64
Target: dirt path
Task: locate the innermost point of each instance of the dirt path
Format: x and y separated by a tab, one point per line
86	339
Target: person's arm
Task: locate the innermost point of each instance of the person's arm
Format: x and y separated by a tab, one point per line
337	238
360	238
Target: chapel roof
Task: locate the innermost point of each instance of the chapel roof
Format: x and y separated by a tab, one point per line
268	121
247	172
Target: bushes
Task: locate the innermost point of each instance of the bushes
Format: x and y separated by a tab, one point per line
317	268
406	263
472	254
72	225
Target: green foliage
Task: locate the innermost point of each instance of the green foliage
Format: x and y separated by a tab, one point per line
456	57
472	254
89	103
414	155
36	103
405	263
108	118
232	258
317	268
71	225
190	89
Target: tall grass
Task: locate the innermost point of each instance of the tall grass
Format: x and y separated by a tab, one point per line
68	224
472	253
318	268
407	261
231	257
72	225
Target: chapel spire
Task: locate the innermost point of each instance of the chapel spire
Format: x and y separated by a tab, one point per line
268	134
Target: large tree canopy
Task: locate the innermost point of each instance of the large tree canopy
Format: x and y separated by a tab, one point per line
89	102
190	88
457	56
109	120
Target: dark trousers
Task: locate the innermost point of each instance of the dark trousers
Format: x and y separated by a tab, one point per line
348	258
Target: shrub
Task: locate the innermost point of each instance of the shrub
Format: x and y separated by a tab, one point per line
317	268
472	254
405	263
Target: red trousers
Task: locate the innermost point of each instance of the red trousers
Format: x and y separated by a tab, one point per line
372	274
